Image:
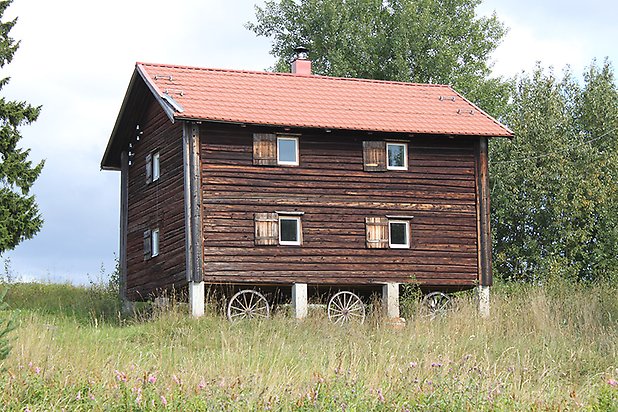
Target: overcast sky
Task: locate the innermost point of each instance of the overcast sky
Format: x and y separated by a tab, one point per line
76	59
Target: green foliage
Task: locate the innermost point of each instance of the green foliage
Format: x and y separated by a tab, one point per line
554	187
19	215
6	326
426	41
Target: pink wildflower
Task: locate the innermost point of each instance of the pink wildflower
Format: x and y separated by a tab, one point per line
176	379
152	379
91	396
201	385
26	409
163	400
138	398
612	382
380	395
412	364
37	370
436	365
120	376
78	396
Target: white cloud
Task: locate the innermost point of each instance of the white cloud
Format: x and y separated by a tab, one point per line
523	48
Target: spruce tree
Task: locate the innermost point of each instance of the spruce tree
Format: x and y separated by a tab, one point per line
19	214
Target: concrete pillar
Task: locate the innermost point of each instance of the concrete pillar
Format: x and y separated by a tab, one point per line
483	296
196	298
390	300
299	300
161	303
128	307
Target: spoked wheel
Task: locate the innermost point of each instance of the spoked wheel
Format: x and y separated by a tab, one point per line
247	304
436	304
345	307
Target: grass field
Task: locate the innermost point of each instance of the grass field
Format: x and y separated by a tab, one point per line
544	348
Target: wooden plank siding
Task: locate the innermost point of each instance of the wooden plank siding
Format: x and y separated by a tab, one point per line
336	195
159	204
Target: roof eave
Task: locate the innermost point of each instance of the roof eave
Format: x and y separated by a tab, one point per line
168	107
106	164
509	132
506	132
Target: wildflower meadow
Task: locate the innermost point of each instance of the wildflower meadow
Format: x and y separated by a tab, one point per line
551	348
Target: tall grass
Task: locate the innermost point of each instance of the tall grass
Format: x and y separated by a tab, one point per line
543	348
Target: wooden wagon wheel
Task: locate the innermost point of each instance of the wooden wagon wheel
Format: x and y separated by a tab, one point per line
346	307
436	303
247	304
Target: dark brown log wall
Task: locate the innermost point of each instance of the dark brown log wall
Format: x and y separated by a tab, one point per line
336	195
158	204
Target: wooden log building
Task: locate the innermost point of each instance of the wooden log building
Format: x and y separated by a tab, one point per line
254	178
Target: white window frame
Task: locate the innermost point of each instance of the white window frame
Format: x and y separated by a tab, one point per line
287	162
405	156
154	242
156	166
399	245
297	242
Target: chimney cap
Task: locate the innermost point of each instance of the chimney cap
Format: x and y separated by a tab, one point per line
301	53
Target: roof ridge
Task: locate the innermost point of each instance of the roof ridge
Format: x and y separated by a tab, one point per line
292	75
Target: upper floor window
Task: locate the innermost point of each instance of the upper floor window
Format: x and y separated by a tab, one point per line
287	151
397	156
153	167
270	149
379	156
156	167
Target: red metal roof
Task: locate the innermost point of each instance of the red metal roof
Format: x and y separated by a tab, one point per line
285	99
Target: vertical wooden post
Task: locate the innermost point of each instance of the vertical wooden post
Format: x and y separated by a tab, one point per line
193	218
196	205
124	226
483	224
186	156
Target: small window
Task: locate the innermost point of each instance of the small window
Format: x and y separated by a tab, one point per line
289	230
398	234
397	156
155	242
156	167
287	151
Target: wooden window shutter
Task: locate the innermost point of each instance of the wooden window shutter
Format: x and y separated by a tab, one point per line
264	149
374	156
377	232
149	169
266	229
147	244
